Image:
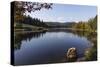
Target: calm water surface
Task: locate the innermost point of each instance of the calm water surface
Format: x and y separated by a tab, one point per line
47	47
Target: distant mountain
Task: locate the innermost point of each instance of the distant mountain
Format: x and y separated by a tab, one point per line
58	24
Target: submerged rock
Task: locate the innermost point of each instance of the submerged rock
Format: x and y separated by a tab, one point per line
71	54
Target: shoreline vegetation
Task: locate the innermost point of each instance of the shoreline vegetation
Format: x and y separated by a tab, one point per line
41	29
44	29
34	24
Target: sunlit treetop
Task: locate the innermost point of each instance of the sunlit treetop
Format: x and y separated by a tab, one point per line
31	6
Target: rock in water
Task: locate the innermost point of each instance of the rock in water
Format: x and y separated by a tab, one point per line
71	54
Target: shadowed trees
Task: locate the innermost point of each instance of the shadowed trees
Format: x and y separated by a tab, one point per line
34	21
19	37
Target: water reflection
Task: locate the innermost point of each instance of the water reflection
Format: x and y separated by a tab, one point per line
24	36
90	36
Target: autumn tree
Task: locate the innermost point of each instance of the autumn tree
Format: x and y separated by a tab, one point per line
90	25
20	8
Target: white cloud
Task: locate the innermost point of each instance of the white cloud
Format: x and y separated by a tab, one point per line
61	19
64	19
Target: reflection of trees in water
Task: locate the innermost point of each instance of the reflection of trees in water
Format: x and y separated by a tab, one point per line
80	33
17	42
59	30
19	37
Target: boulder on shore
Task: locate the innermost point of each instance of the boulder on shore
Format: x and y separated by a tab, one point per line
71	54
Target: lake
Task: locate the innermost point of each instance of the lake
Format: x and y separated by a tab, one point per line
48	46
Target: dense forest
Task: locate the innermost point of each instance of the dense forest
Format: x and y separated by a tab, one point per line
32	21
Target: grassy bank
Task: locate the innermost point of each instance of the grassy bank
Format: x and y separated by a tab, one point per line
26	27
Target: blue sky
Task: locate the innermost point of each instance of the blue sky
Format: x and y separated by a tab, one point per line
66	13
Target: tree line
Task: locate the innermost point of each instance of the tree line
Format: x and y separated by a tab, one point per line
33	21
90	25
